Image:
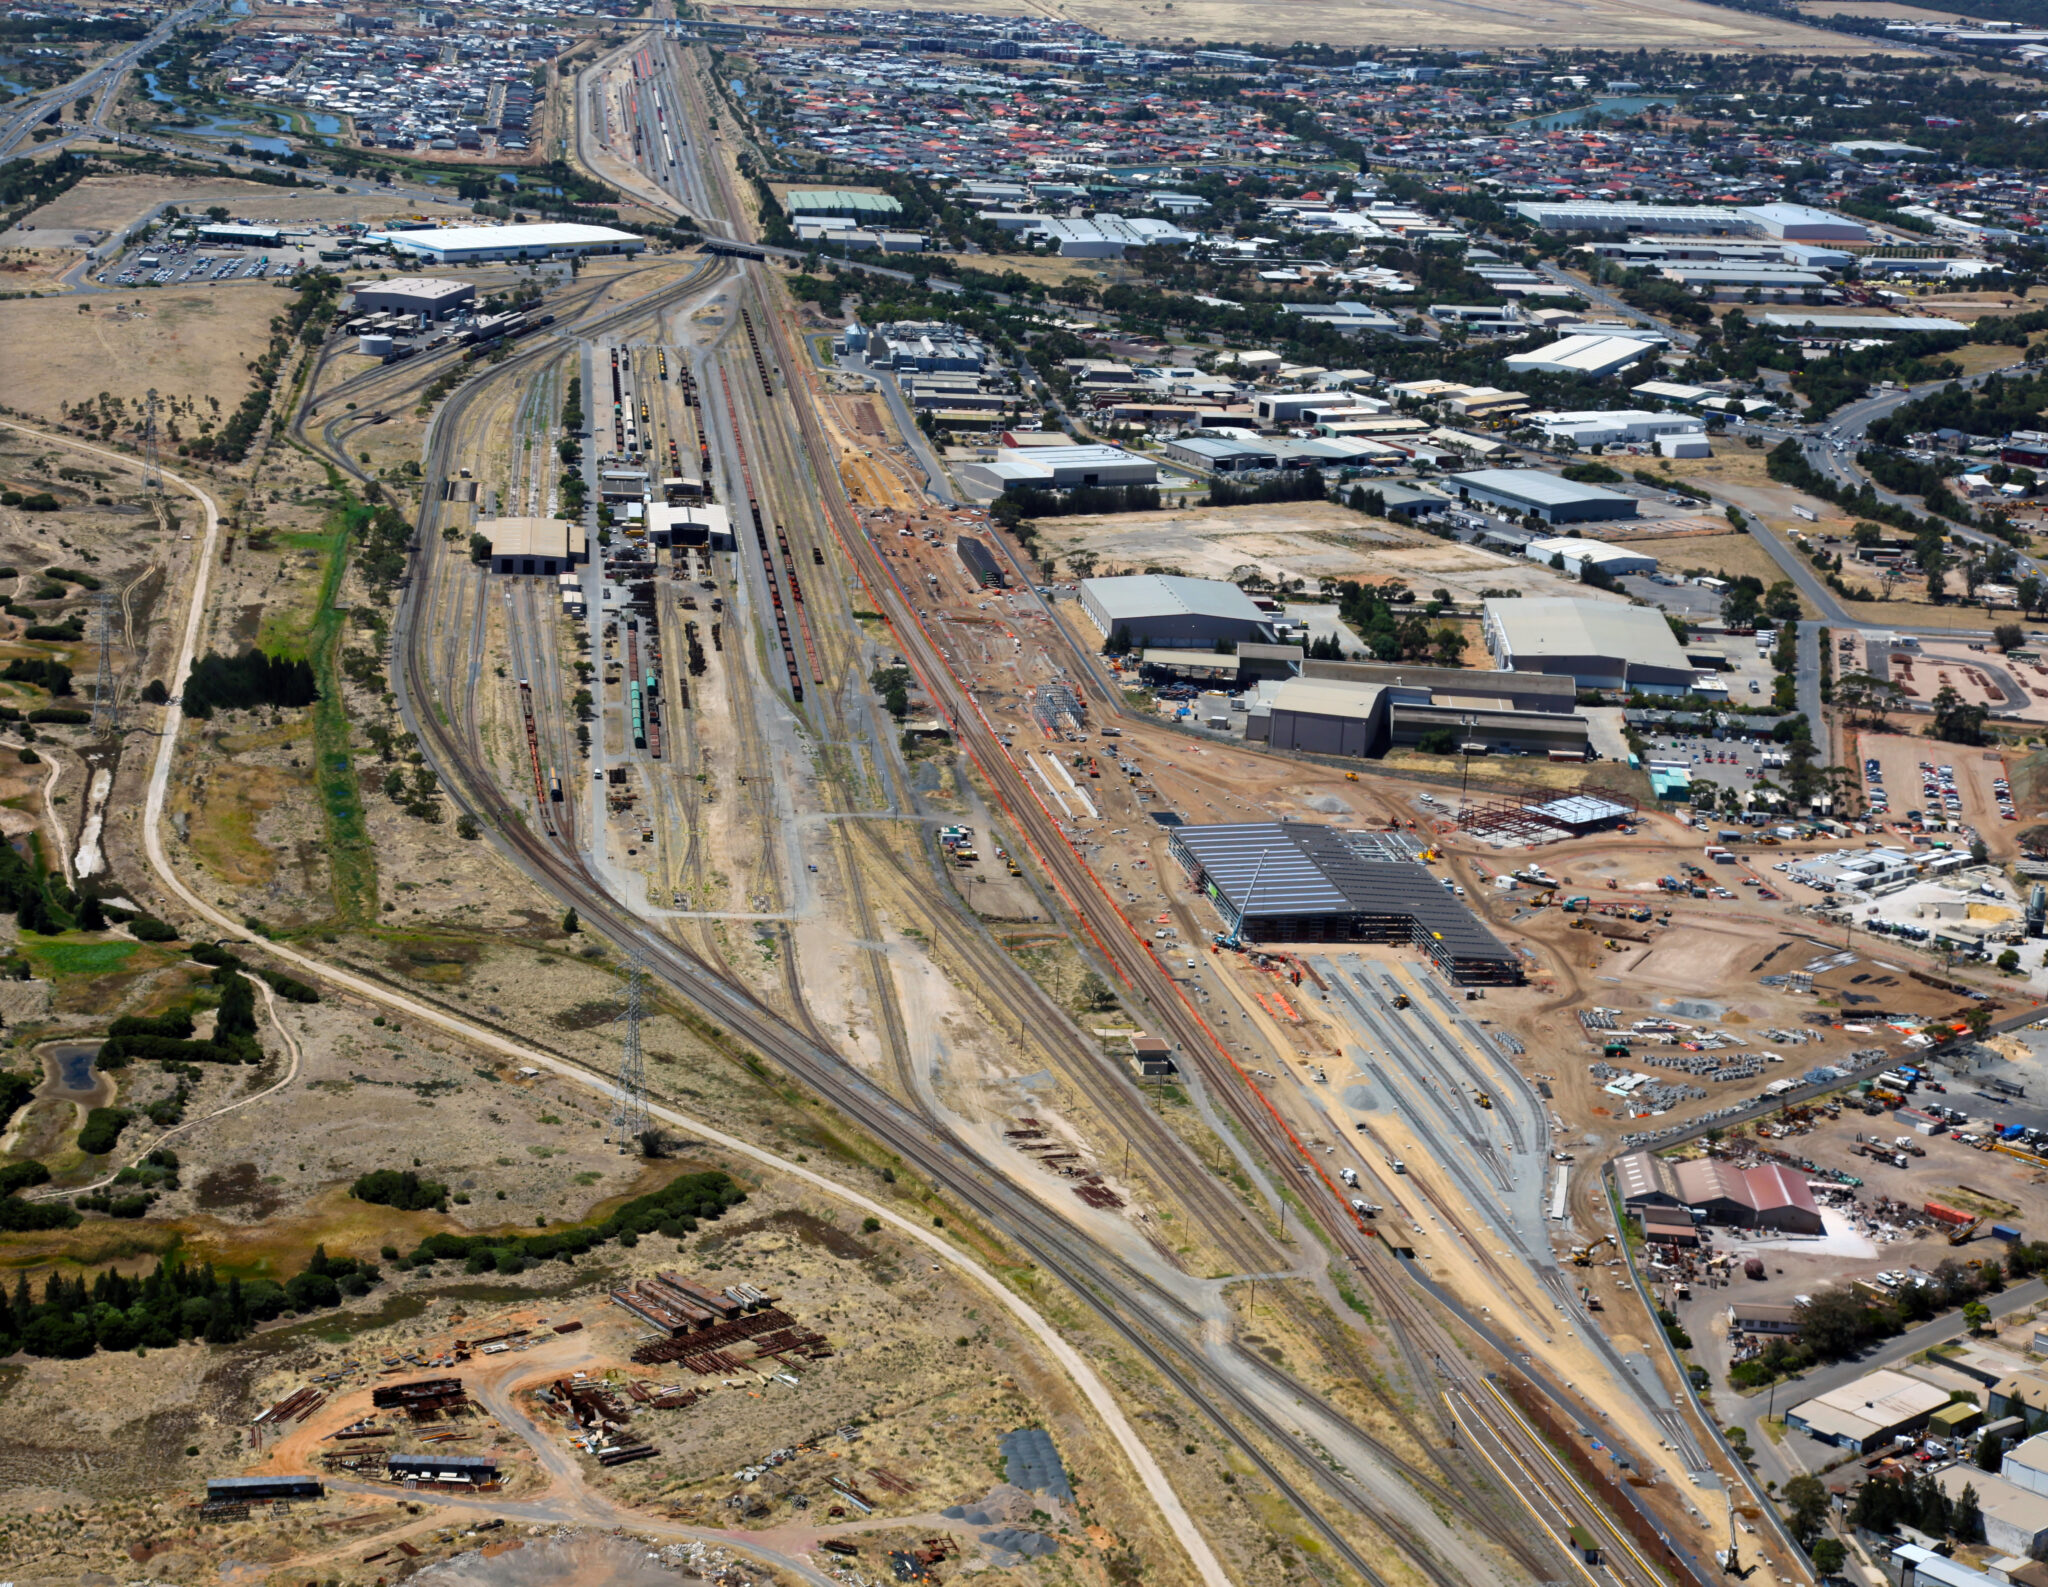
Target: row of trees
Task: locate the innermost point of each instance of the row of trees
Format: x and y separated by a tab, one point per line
173	1304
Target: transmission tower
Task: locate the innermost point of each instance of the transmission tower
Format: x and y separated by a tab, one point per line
629	1115
106	712
152	465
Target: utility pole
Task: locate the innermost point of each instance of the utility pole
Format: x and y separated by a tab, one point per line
106	711
629	1114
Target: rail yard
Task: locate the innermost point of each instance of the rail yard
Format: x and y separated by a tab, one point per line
621	969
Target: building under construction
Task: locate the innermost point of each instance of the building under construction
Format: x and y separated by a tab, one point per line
1542	816
1288	881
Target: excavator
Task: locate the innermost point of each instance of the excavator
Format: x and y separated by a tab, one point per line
1582	1255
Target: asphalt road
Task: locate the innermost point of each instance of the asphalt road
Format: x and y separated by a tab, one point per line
23	118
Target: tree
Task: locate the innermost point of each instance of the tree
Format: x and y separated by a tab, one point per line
1833	1322
1438	741
1829	1556
1806	1502
1990	1453
2008	961
1967	1523
570	924
2009	636
1975	1313
1449	646
1954	721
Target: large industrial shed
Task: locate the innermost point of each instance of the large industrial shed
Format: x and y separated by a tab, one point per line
1157	611
1578	555
1598	644
1327	716
1063	467
534	545
1593	356
1769	1197
1347	708
1287	881
478	244
1529	490
427	295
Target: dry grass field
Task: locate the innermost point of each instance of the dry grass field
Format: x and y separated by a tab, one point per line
188	345
1594	24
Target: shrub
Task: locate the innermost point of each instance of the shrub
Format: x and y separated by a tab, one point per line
102	1132
403	1189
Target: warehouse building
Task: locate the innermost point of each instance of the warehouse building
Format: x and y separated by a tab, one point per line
1872	1411
1768	1197
1063	468
1362	708
450	245
549	546
1287	881
1574	556
698	523
1216	455
241	236
1597	644
1165	612
835	203
1862	324
1608	219
1595	356
431	297
1781	222
1803	223
1524	491
2015	1518
1606	426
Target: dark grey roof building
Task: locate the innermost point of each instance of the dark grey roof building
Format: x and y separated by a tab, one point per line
1288	881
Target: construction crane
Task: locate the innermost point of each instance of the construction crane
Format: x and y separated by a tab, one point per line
1582	1255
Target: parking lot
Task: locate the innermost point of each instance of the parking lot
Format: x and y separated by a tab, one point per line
180	266
1736	760
1949	785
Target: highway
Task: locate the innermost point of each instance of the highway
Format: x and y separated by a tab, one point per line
102	81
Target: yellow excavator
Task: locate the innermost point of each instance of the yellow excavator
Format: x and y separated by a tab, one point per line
1582	1255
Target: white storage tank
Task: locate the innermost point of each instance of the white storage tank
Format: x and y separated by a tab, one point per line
374	346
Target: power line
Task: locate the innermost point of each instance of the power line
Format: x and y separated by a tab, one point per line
152	465
629	1114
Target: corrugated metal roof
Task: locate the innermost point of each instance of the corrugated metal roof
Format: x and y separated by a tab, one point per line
1136	596
1289	868
1564	626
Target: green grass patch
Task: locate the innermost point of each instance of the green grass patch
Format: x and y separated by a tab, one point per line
303	540
58	957
315	637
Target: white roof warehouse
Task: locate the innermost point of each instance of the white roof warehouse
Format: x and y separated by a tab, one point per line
1599	644
1162	612
1554	500
478	244
1063	467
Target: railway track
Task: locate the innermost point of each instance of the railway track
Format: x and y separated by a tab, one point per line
1104	1285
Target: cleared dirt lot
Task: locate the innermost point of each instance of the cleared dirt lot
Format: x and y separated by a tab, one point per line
1293	540
188	345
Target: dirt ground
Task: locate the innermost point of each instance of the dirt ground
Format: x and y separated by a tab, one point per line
114	203
192	347
1666	24
1291	541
